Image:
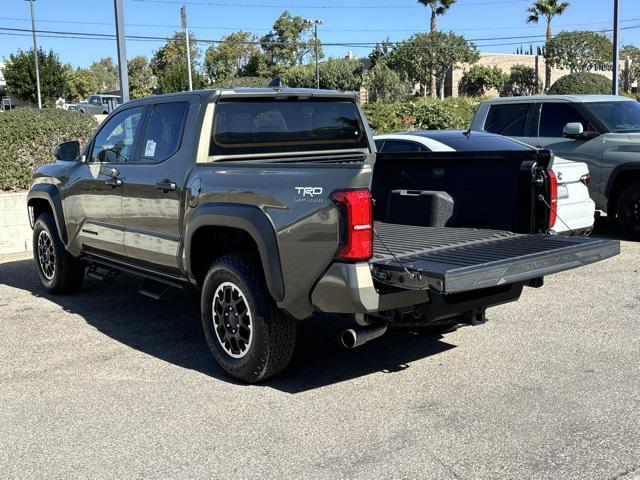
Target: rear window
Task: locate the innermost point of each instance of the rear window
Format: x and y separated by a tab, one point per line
507	120
477	142
273	126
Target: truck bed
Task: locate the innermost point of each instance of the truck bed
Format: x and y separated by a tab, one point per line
452	260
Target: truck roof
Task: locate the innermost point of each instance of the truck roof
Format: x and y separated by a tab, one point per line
568	98
211	94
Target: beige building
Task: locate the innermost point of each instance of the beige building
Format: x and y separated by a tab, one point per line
504	62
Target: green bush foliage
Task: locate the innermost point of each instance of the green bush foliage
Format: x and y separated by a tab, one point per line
241	82
29	136
581	83
479	79
335	74
421	114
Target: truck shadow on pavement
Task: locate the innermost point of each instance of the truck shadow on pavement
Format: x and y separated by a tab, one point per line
170	330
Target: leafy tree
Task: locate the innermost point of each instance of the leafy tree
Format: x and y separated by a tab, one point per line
579	51
434	52
633	55
335	74
20	75
380	52
523	80
169	64
385	85
80	84
237	55
547	9
480	78
105	72
142	82
285	45
438	7
581	83
235	82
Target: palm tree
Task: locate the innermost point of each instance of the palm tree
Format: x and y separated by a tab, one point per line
438	7
547	9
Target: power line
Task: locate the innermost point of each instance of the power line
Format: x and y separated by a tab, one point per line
317	7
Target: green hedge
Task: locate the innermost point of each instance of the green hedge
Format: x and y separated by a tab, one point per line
583	83
27	139
421	114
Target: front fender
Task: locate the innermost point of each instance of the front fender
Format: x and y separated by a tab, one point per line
243	217
50	193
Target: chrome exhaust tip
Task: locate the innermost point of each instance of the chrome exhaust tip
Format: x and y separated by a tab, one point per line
356	337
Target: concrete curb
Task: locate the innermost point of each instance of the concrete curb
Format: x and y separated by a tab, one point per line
15	231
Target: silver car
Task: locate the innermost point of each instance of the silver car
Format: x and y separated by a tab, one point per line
99	104
602	131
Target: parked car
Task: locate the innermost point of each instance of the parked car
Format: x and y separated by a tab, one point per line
99	104
601	130
262	199
575	210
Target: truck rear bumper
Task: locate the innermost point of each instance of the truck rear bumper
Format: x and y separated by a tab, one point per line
349	288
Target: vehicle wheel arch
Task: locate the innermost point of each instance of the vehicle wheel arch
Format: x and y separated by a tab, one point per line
46	197
621	177
237	228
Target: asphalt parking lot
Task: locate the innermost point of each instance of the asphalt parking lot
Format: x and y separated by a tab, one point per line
110	384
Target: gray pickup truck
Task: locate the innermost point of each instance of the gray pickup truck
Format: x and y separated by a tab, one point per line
601	130
268	202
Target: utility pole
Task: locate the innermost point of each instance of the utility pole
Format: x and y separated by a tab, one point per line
616	49
183	20
122	51
35	53
315	24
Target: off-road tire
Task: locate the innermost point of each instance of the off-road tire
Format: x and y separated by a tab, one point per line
67	273
273	333
628	211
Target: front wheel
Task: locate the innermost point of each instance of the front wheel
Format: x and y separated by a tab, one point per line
59	271
628	213
248	336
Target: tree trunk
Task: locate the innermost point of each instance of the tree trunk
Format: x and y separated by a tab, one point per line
432	79
547	65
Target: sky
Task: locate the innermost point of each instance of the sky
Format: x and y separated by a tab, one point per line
491	24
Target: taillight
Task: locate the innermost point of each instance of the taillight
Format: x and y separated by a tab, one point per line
357	241
586	179
553	198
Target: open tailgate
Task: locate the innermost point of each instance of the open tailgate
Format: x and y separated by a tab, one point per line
453	260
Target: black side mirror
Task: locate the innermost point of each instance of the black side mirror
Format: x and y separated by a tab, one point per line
67	151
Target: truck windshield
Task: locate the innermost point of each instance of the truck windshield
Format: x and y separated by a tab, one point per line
619	117
275	126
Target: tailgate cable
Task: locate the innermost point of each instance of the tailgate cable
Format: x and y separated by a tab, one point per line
413	276
555	211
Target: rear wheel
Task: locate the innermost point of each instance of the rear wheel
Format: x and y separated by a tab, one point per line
628	212
248	336
59	271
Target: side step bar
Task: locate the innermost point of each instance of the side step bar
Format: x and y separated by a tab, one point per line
152	286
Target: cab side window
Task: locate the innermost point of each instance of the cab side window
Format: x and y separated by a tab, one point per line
554	116
115	142
164	132
508	120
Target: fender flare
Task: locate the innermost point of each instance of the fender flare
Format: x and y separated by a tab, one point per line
50	193
243	217
620	169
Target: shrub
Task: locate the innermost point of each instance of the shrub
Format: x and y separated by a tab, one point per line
523	80
29	136
581	83
421	114
479	79
335	74
385	85
240	82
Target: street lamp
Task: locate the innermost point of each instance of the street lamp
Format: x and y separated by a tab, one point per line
315	24
616	51
35	52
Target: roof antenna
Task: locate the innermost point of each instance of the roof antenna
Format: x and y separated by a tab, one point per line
276	83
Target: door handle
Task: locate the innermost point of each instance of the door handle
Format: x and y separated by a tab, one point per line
166	186
114	182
